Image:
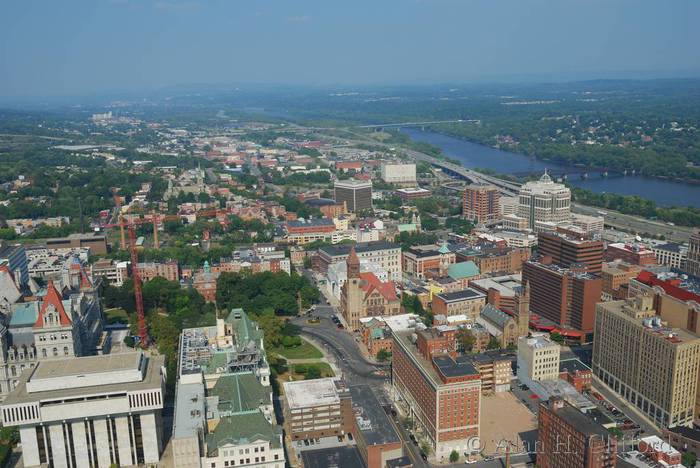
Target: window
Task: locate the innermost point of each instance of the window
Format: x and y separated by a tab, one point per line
65	350
43	352
55	351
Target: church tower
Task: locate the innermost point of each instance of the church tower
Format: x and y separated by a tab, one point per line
523	310
351	295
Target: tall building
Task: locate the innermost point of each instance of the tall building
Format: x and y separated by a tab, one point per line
399	173
480	202
14	257
568	438
652	366
692	264
223	399
567	251
90	411
317	409
564	296
538	358
356	194
544	201
441	394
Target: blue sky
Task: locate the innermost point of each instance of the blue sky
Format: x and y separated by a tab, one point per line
73	47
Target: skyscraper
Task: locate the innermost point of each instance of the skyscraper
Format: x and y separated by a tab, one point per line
480	202
356	194
544	201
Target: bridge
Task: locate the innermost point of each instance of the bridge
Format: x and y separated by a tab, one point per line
418	124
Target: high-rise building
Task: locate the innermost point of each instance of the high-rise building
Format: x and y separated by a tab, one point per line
399	173
538	358
14	257
651	365
480	202
565	296
356	194
544	201
692	264
89	411
568	438
567	251
441	394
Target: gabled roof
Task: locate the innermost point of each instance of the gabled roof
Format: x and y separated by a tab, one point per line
495	316
370	283
463	270
243	429
240	393
52	298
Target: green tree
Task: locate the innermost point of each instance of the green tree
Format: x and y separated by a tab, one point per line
494	343
466	339
689	459
454	456
312	372
383	355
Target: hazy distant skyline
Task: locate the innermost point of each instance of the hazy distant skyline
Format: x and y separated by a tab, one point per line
50	48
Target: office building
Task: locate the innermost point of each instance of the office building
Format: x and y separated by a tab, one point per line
426	261
356	194
544	201
652	366
114	272
480	203
538	358
568	438
386	255
89	411
412	193
491	259
95	242
223	399
616	277
468	302
14	257
441	394
168	270
635	254
375	434
671	255
317	409
567	251
692	264
304	231
495	369
399	174
564	296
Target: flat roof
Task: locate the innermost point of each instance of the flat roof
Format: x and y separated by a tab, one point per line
336	457
306	393
457	367
462	295
86	365
189	410
580	421
372	420
573	365
360	247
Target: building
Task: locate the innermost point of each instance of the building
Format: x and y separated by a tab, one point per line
428	261
495	369
374	433
671	255
683	438
501	291
356	194
576	373
385	254
363	295
544	201
441	394
329	208
467	302
302	231
408	194
168	270
492	259
223	399
399	173
692	264
337	275
317	409
567	251
89	411
506	328
481	203
616	277
568	438
564	296
334	456
204	281
635	254
538	358
14	257
660	451
114	272
652	366
95	242
56	325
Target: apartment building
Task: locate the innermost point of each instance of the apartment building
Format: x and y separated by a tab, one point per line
114	272
169	270
636	254
651	365
385	254
480	202
440	393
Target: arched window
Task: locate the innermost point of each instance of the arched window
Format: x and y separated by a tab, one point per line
13	371
55	351
65	350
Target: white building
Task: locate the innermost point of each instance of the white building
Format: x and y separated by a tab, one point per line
544	201
671	255
95	411
337	274
538	358
399	173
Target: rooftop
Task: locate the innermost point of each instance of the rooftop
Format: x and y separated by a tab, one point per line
306	393
361	247
336	457
463	295
579	420
243	429
457	367
573	365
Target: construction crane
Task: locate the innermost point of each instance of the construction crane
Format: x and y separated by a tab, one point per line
138	295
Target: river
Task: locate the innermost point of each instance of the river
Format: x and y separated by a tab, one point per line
474	155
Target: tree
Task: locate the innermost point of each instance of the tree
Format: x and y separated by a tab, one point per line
312	372
689	459
556	337
425	448
494	343
454	456
466	339
383	355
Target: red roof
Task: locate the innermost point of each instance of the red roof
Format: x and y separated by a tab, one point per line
672	287
54	299
370	283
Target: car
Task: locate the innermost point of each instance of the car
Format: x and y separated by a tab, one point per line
424	456
340	326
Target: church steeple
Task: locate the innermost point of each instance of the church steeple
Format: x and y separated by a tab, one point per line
353	264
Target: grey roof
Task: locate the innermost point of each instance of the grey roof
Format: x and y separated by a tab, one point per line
189	410
310	222
380	430
336	457
344	249
579	420
243	429
462	295
572	365
450	367
670	247
496	316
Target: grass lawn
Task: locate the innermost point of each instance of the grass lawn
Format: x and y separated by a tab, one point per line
323	367
116	316
305	351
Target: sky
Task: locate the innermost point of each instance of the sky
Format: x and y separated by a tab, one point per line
78	47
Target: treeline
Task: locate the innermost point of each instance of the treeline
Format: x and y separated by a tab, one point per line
634	205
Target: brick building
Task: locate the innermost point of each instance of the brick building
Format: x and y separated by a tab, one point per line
318	408
636	254
567	251
427	261
492	259
616	277
576	373
480	202
467	302
168	270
